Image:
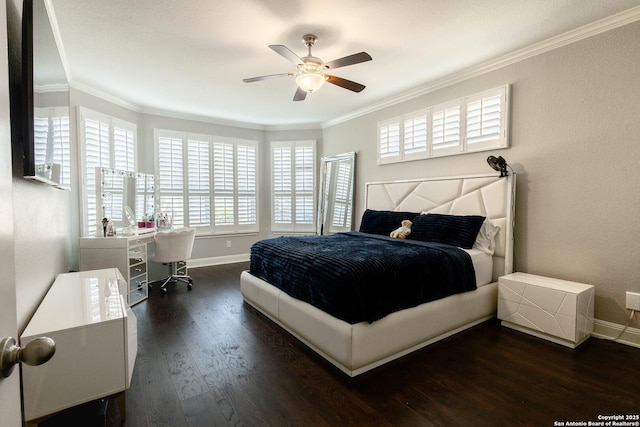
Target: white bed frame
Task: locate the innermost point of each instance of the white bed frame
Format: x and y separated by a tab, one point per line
357	348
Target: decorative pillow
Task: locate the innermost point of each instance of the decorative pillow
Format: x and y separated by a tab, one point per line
383	222
485	241
456	230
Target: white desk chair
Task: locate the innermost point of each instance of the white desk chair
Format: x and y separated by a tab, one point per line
173	246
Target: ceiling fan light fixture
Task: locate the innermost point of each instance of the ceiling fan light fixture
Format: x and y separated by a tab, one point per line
310	72
310	81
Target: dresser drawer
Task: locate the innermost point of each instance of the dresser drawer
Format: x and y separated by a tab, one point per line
138	294
137	255
138	269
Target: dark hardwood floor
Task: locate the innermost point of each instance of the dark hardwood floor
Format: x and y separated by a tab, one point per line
207	359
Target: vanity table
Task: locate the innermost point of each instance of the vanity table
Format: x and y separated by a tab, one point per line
129	254
95	333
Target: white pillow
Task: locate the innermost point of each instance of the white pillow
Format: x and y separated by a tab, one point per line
485	241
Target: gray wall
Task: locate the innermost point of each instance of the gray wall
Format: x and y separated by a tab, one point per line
575	146
41	214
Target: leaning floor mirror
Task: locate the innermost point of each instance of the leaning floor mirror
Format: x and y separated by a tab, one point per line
335	206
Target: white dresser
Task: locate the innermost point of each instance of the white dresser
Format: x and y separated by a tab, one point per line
129	254
556	310
96	340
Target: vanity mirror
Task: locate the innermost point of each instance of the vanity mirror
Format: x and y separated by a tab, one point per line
335	206
124	197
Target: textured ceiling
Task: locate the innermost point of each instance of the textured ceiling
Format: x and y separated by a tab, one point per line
188	58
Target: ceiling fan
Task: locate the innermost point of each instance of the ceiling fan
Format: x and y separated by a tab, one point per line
310	71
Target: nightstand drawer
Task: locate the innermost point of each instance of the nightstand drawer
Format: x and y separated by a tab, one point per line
557	310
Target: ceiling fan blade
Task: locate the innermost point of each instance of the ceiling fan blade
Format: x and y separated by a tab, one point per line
270	76
300	95
347	84
356	58
286	52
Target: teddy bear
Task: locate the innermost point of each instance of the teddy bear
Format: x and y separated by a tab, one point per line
402	231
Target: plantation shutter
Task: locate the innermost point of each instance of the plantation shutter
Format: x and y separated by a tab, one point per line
123	148
171	172
446	128
61	147
415	135
389	145
247	185
282	185
40	138
475	123
208	182
51	141
293	185
485	117
304	185
113	189
341	216
223	184
199	183
96	145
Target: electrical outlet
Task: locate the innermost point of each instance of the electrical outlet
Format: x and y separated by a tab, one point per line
633	301
228	243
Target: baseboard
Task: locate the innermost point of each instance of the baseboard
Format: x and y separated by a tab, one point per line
612	331
219	260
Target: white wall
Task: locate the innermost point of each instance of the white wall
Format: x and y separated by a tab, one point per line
575	147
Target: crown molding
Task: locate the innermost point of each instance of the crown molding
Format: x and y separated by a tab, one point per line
198	118
49	88
614	21
231	123
105	96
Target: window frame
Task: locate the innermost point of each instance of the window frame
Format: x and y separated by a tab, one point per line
294	226
462	144
52	128
237	227
86	190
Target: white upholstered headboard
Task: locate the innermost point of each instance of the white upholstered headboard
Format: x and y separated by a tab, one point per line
487	195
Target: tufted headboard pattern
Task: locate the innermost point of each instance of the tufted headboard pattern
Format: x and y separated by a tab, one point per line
487	195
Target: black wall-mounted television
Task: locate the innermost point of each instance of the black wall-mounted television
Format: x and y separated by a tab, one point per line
45	100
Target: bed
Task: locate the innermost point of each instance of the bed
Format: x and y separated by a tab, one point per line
356	345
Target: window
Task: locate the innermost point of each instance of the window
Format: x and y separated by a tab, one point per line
51	140
208	182
293	186
475	123
104	142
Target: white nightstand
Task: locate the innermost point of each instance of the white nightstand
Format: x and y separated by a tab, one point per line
556	310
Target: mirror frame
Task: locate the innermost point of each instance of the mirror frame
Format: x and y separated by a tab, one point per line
136	187
326	186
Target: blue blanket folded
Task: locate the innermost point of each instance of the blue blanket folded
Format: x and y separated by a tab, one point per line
362	277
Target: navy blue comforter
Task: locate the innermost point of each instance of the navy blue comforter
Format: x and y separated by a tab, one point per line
362	277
